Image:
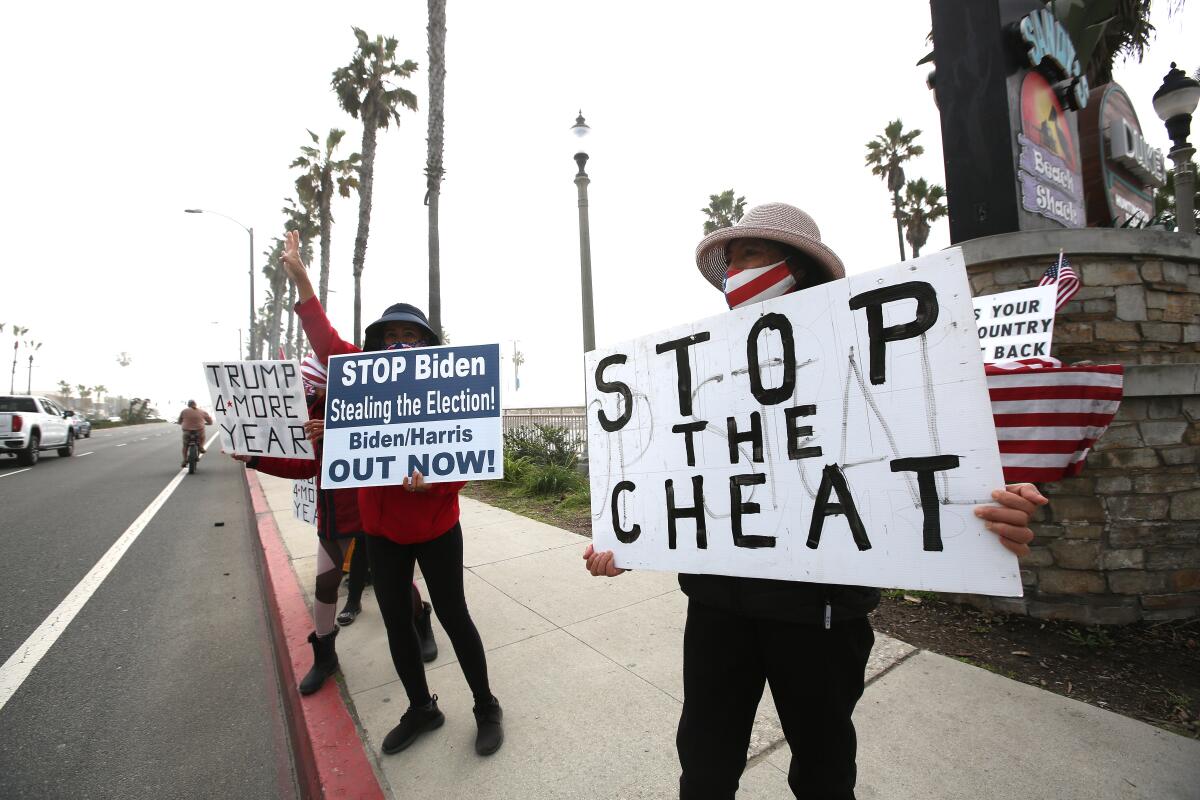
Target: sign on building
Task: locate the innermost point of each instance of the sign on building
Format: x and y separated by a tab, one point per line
259	408
1121	169
841	434
431	409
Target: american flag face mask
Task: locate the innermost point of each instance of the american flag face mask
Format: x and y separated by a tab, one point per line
755	284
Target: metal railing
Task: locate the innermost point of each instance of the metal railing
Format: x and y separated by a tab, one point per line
570	418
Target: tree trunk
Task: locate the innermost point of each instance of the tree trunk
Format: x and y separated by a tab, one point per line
899	227
433	163
326	221
291	319
366	183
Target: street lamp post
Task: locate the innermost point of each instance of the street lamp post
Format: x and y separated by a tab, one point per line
251	350
1174	103
581	129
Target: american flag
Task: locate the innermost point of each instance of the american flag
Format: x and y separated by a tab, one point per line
1068	282
1048	416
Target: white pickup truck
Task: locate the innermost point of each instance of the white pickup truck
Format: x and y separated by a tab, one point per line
30	424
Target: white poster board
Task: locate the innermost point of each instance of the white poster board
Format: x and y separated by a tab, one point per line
304	500
841	434
1017	324
432	409
259	408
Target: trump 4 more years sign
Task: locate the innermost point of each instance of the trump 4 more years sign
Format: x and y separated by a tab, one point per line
841	434
259	407
431	409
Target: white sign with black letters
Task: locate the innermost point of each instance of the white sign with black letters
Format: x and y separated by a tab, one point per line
841	434
259	408
304	500
1017	324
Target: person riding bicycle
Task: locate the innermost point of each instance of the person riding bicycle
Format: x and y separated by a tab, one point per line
193	420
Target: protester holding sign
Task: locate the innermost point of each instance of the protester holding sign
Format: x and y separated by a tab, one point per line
811	641
338	524
409	523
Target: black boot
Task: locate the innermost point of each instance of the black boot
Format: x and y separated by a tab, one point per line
429	649
417	720
325	661
491	734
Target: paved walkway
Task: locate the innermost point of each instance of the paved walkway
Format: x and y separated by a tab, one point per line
589	673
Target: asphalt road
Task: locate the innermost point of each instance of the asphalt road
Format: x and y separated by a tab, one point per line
164	684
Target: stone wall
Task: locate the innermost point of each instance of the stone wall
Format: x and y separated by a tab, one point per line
1121	542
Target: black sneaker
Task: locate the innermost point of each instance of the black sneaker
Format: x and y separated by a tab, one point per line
491	734
417	720
346	615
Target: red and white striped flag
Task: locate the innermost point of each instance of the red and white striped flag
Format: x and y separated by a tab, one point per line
1067	281
1048	416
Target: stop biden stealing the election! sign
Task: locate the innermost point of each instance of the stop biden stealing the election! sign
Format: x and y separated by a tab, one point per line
435	410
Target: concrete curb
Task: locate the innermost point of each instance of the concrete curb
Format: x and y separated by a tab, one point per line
329	755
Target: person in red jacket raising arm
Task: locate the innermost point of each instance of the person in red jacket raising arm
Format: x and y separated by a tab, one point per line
338	524
415	522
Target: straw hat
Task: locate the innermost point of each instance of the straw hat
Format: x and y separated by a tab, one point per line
778	222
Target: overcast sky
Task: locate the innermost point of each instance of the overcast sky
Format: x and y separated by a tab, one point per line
116	119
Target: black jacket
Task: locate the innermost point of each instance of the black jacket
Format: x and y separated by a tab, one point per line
786	601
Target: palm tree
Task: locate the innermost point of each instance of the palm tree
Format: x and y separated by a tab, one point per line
433	161
100	390
85	396
886	155
922	205
64	389
315	188
124	359
723	211
300	219
276	278
366	90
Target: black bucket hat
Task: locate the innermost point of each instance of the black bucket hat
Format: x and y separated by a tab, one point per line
401	312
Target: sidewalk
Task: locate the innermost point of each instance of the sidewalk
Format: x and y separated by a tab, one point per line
589	673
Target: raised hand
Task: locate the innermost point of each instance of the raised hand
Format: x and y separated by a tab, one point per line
294	266
314	429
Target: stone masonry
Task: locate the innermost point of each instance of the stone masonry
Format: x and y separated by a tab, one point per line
1120	542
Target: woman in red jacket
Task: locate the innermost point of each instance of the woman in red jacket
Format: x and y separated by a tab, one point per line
338	524
416	522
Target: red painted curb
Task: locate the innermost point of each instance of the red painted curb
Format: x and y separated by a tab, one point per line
331	761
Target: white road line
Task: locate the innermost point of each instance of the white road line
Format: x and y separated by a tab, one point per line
16	472
81	455
21	663
122	444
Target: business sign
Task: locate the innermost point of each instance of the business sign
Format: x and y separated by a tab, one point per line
259	407
1018	324
304	500
841	434
1049	45
1048	156
431	409
1121	168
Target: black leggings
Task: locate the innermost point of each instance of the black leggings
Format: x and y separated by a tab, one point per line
441	563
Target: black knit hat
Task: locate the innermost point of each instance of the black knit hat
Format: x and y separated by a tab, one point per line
401	312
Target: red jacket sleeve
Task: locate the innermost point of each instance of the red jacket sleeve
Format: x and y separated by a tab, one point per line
286	467
324	339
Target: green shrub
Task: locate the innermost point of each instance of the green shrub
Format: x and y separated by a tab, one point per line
541	445
542	480
515	469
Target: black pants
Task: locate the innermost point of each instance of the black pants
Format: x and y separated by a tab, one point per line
441	563
816	677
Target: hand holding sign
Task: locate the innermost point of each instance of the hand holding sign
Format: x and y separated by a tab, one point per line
1010	520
